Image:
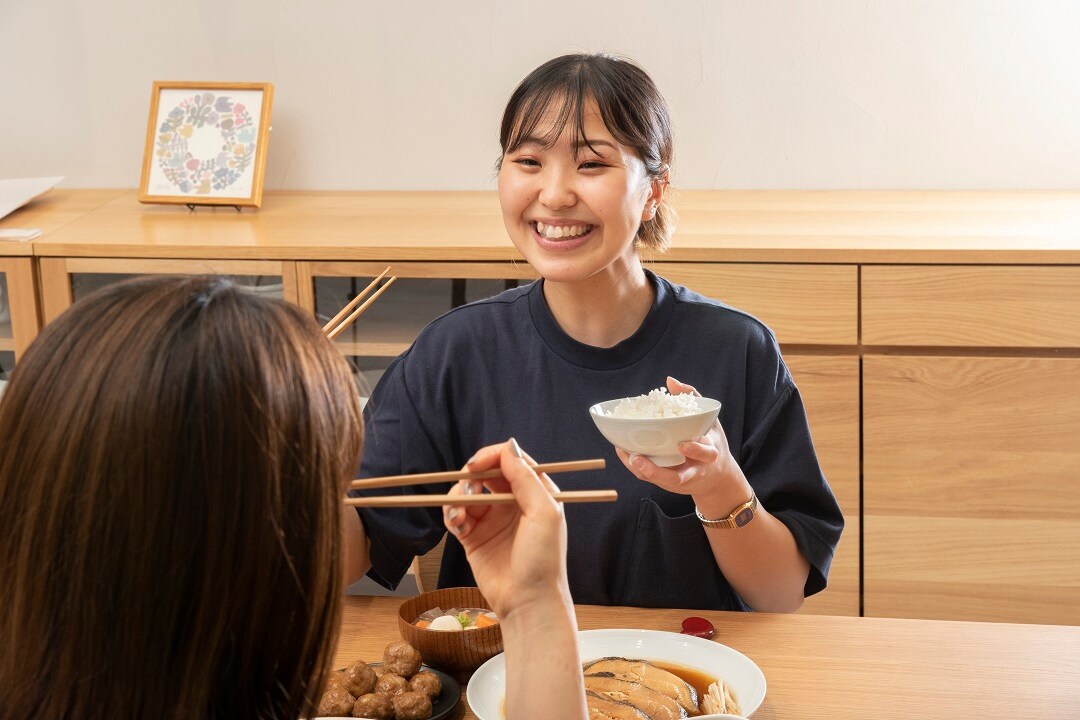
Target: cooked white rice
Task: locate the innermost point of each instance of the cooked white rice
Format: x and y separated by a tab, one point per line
657	404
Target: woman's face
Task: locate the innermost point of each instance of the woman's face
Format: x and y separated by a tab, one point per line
574	212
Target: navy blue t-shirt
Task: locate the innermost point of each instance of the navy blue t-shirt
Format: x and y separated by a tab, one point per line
503	367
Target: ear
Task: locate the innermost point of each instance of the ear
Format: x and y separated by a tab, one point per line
657	186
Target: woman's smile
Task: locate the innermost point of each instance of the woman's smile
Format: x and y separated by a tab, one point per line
561	237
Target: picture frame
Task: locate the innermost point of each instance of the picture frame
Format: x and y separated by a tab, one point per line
206	143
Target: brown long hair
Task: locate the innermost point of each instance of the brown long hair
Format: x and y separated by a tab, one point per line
630	105
173	453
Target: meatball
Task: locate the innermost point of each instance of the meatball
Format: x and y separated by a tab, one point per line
402	659
427	683
391	684
336	702
359	679
376	707
412	706
336	679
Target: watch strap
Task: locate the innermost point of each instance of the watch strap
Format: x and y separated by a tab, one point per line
739	517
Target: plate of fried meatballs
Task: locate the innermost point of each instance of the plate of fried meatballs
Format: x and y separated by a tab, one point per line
400	687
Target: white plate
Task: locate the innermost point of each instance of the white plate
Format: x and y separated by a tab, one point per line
488	684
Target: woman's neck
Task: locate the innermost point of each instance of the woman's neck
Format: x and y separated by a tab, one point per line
604	309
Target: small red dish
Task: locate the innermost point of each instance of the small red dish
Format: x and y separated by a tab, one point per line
698	627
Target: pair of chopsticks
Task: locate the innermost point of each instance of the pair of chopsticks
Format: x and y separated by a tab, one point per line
572	496
350	312
334	328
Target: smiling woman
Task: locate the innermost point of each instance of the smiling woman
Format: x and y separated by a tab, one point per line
583	178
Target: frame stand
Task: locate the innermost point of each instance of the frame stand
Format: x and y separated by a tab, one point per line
191	206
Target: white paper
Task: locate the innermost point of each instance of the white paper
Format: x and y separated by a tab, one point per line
19	234
17	192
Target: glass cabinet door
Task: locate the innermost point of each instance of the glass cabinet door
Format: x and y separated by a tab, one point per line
422	293
64	281
83	284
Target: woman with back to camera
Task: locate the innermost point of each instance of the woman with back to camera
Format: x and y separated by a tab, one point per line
173	456
585	165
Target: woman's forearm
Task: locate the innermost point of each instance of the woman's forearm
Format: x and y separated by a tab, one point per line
760	559
357	558
543	667
762	563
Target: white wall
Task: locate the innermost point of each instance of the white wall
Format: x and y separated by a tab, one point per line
407	95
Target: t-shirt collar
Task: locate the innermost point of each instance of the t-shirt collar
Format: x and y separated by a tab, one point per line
624	354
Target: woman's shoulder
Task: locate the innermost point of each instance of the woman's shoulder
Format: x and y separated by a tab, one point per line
480	312
718	316
471	323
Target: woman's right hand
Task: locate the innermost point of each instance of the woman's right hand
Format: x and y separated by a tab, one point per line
517	551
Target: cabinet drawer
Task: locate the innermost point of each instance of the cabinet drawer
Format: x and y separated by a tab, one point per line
803	304
954	306
971	495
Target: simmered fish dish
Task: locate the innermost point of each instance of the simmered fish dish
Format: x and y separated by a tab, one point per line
626	689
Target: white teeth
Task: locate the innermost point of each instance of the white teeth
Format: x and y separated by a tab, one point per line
555	232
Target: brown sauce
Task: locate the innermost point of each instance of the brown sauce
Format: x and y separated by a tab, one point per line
697	679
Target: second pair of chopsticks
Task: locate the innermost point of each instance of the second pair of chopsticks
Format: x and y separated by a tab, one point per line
572	496
350	312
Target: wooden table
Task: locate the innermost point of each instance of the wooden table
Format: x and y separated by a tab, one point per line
840	667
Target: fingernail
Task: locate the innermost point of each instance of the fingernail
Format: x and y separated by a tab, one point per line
637	462
467	488
456	529
514	448
471	460
454	512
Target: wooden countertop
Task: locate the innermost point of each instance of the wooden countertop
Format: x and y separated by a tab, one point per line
824	667
50	212
715	226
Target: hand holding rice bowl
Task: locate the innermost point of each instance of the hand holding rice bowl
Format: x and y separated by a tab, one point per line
654	425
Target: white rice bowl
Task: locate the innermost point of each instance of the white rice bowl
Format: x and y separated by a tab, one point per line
654	425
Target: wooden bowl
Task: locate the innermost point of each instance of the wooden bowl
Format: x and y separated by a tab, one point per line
453	652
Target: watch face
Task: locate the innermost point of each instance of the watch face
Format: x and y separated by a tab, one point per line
744	517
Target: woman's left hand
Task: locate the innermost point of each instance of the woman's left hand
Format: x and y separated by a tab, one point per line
709	472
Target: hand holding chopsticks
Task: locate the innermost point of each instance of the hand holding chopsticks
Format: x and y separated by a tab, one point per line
480	499
348	314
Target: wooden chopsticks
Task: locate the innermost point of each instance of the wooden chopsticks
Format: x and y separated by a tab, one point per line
455	475
572	496
436	500
344	319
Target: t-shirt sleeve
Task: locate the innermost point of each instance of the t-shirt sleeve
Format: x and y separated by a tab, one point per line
779	460
397	441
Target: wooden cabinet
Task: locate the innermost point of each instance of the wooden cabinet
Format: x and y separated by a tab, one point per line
934	336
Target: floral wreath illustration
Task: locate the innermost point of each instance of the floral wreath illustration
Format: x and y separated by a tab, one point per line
236	153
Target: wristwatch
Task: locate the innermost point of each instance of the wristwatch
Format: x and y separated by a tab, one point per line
738	517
